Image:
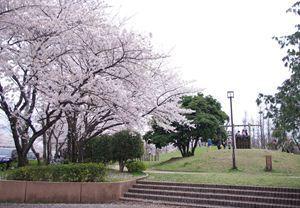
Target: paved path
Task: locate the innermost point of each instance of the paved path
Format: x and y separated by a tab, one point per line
175	172
112	205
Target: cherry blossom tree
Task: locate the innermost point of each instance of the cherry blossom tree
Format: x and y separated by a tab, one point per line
34	35
21	49
67	58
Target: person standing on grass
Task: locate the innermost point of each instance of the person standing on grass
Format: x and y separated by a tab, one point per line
229	143
238	135
224	144
209	143
219	144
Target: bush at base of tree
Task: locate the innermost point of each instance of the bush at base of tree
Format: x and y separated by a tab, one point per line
83	172
135	166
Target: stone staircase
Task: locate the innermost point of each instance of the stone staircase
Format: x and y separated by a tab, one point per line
209	195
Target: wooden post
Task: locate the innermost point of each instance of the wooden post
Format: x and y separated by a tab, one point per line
268	163
250	137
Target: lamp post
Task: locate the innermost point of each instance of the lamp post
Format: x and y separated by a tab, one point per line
262	138
230	95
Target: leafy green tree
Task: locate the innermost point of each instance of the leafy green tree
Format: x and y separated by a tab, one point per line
284	106
98	149
286	144
207	119
126	145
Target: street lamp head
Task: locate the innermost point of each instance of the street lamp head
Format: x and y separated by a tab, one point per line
230	94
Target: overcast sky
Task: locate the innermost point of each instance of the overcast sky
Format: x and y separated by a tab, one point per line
222	45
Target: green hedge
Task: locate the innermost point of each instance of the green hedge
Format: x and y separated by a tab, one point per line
135	166
83	172
119	147
98	149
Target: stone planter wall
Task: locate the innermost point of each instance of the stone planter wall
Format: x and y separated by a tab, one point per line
62	192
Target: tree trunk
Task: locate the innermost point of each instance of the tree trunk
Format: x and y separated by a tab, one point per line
121	165
56	155
22	160
181	150
297	143
185	151
187	147
45	147
37	155
49	150
73	149
72	136
22	155
80	145
194	146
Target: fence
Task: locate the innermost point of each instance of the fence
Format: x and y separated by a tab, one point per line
149	157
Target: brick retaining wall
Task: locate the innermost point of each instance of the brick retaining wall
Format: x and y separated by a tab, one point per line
62	192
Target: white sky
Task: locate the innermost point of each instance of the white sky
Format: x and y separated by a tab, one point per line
222	45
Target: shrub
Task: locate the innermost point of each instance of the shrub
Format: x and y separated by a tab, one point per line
3	166
98	149
126	145
135	166
84	172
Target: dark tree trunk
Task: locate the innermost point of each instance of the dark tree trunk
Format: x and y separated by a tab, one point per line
297	143
185	150
37	155
56	155
72	136
194	146
187	147
22	155
73	148
45	148
58	148
180	149
22	160
121	165
80	148
49	150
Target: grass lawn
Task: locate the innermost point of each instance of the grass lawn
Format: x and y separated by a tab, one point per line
214	166
116	176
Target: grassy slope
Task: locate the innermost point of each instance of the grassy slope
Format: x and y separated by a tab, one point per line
229	179
213	166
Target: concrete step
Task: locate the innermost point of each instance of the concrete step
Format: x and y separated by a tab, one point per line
221	196
171	203
258	188
211	190
208	201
